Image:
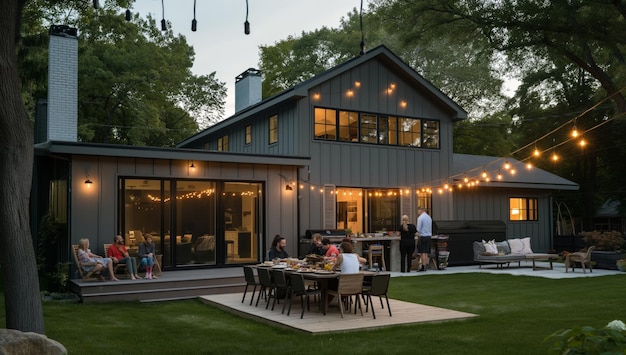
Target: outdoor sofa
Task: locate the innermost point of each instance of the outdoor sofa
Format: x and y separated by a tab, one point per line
507	252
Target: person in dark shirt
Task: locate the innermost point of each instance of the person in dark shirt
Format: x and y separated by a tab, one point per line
277	251
407	243
316	245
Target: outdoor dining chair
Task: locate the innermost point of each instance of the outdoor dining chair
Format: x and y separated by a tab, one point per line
280	287
267	286
251	280
298	288
349	285
379	287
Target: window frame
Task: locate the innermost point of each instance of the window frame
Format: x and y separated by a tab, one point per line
248	134
527	208
272	126
222	143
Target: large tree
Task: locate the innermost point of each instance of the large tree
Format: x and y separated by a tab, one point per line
17	254
135	81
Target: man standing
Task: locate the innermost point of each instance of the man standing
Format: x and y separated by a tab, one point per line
118	253
425	232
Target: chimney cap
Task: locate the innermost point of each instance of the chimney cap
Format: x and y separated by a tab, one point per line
248	72
63	31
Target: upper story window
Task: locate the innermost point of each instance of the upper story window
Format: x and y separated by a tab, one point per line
351	126
248	134
222	144
523	209
348	126
325	124
273	129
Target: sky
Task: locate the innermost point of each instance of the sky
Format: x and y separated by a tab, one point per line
220	43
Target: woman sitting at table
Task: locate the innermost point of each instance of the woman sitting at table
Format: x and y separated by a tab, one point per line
349	261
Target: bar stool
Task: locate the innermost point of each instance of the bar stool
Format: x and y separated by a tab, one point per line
376	251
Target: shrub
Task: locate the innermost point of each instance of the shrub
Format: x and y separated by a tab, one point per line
605	241
589	340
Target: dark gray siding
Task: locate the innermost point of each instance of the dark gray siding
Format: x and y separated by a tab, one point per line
484	203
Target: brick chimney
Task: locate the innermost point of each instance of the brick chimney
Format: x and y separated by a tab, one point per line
62	121
247	89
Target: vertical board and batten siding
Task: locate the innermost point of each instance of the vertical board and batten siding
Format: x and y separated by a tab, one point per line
484	203
97	217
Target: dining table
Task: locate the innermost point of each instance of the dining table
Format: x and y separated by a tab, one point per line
320	277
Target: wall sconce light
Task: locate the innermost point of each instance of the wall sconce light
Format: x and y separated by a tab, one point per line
88	182
192	166
288	187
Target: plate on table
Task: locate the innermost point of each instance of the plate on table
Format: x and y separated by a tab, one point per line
279	267
324	272
306	270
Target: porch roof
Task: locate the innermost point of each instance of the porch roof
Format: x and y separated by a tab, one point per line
126	151
535	178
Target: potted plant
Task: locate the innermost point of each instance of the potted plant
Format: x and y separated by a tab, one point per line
609	248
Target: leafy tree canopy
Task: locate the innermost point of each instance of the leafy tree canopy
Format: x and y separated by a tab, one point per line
135	82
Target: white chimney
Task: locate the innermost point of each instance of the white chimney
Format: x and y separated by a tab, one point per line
247	89
62	84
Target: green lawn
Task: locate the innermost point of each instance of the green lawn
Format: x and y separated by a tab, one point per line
515	313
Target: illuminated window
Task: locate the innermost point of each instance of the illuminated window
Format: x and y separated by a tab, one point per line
523	209
325	124
410	134
222	144
348	126
248	134
273	129
369	133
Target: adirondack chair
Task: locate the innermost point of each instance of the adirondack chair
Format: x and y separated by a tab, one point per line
88	270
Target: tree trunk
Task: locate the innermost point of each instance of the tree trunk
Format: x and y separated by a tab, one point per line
17	253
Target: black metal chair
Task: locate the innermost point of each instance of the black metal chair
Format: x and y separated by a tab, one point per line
280	286
267	286
251	280
298	288
379	287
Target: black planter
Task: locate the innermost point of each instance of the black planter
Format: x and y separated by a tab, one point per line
606	259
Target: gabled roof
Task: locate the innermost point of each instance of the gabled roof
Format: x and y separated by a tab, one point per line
535	178
299	91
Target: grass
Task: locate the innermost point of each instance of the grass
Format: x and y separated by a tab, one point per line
516	313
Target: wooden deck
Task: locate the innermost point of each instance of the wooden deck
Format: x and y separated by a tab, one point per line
170	285
315	322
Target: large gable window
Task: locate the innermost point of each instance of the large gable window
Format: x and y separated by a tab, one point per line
361	127
348	126
409	132
325	124
523	209
369	133
273	129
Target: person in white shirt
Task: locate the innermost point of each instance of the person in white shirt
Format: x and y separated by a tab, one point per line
425	232
349	261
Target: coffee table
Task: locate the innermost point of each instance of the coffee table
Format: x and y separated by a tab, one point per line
542	257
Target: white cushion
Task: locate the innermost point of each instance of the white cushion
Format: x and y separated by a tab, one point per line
517	247
526	246
491	247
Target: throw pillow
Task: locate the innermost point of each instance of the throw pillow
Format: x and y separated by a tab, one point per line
490	247
526	246
517	247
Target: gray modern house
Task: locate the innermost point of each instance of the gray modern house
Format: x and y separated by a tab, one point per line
355	147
